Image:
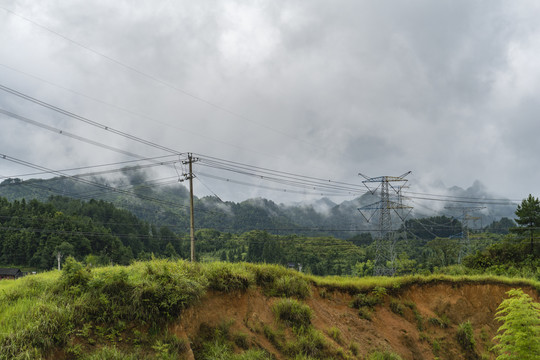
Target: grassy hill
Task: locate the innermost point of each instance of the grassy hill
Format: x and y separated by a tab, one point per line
164	309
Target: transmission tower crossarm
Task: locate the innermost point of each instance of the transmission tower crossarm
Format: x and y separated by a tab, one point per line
407	173
364	176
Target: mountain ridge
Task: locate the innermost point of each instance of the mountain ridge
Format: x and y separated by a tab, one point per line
168	205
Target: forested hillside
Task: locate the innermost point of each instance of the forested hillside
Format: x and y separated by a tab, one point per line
168	205
33	233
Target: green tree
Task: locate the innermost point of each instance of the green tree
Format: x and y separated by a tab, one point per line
444	251
528	218
519	336
170	252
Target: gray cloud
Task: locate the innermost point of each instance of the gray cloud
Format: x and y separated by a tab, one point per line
446	89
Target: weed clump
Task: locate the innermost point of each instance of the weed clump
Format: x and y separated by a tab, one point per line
74	274
166	288
291	286
335	334
293	313
354	348
310	343
365	313
443	322
218	342
228	277
365	300
397	307
465	336
170	346
266	274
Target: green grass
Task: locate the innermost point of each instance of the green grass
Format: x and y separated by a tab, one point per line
293	313
335	334
465	336
353	285
228	277
397	307
310	343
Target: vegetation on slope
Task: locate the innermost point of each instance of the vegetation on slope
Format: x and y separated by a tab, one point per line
110	312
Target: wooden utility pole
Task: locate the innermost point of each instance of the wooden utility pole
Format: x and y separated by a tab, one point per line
191	214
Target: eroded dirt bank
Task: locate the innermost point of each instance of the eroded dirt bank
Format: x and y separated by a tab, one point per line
417	322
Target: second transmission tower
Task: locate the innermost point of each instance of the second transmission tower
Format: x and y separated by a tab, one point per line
465	243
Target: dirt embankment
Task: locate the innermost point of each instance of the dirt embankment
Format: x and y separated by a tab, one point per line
418	322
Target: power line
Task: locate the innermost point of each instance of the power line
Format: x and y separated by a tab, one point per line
243	169
68	134
154	78
84	181
461	197
88	121
87	167
283	190
131	112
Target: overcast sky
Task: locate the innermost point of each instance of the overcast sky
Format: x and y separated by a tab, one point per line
446	89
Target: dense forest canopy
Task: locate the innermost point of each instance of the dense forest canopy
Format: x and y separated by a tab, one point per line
33	233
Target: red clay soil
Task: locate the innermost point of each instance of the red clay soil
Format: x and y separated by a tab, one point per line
426	329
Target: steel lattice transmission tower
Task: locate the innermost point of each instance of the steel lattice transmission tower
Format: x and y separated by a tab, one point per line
391	201
465	218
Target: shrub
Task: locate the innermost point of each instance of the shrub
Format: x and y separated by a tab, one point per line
74	274
291	286
365	312
46	326
241	340
166	288
354	348
293	312
228	277
273	336
369	300
266	274
396	307
310	343
170	344
253	354
443	322
520	331
335	334
379	292
465	336
216	350
436	347
108	298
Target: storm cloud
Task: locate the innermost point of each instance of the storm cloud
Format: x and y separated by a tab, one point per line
447	89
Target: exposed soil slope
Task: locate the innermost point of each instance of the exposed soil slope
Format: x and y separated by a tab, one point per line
426	328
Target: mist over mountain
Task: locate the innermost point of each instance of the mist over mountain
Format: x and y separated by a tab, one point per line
168	205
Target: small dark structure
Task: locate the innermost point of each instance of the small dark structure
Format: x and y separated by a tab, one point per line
10	273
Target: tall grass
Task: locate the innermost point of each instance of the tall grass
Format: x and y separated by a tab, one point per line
354	285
